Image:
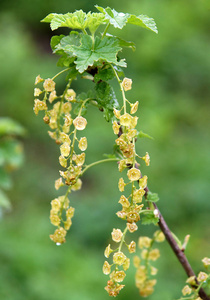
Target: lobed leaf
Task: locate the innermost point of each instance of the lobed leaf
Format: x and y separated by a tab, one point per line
142	134
153	197
77	20
119	20
10	127
143	21
106	98
101	49
149	218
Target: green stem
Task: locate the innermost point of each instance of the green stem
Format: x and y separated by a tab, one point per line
97	163
105	31
121	88
123	238
62	99
58	74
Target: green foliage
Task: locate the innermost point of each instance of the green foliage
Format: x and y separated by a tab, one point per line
149	218
172	74
106	98
119	20
152	197
11	156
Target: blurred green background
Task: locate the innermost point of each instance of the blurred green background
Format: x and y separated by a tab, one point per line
171	76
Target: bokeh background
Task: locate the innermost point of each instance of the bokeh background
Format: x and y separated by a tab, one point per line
171	79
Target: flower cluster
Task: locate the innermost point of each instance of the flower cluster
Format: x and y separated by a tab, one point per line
124	126
64	130
120	263
191	289
145	270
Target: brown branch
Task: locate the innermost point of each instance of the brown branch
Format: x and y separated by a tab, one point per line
173	244
178	252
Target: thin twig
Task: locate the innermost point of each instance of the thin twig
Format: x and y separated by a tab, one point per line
178	252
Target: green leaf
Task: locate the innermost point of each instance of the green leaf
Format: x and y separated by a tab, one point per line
143	21
149	218
123	43
153	197
13	154
94	20
105	96
76	20
10	127
142	134
105	73
4	201
49	18
55	40
118	20
66	42
102	49
5	180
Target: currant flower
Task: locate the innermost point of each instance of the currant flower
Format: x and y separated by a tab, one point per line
70	95
126	119
108	251
59	236
186	290
49	85
132	227
127	84
58	183
146	158
154	254
202	276
39	105
124	201
116	235
121	185
82	144
134	174
126	264
37	92
132	247
116	113
116	127
206	262
119	258
144	241
65	149
106	268
80	123
56	205
134	107
52	96
119	276
38	79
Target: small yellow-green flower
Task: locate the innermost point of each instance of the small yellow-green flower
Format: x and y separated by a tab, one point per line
49	85
144	241
119	258
82	144
127	84
186	290
80	123
133	174
134	107
119	276
108	251
117	235
106	268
